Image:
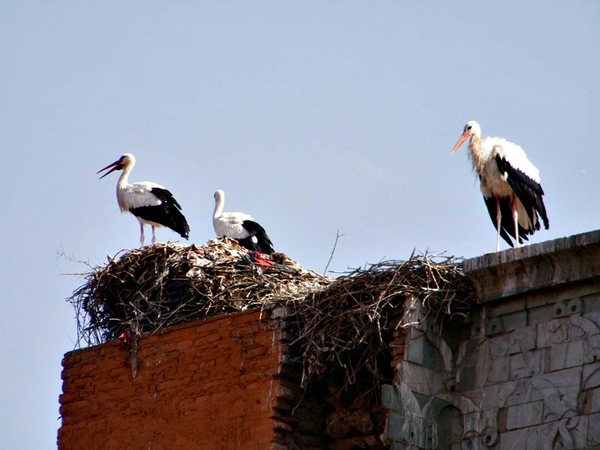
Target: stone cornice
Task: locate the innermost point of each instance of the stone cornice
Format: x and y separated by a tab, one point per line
534	267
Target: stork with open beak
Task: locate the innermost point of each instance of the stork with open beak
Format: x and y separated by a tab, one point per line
149	202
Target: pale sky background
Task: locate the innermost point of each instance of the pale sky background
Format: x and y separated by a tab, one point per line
312	116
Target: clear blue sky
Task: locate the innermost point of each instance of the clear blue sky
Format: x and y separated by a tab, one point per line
312	116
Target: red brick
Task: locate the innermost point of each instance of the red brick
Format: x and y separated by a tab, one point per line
198	373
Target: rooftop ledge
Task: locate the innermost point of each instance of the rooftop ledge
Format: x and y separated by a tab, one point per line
533	267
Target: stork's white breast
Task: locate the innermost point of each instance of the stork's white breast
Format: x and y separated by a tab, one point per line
137	195
230	225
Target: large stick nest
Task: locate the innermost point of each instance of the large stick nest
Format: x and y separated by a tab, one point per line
152	288
343	323
350	323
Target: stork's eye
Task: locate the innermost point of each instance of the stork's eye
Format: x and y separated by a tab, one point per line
468	127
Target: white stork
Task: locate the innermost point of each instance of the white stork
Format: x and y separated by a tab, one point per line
241	227
510	185
149	202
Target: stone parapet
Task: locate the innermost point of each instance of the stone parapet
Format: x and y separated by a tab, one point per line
533	267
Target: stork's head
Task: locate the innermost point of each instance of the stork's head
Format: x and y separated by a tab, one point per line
219	203
472	128
127	160
219	196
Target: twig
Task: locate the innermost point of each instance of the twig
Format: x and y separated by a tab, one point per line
337	237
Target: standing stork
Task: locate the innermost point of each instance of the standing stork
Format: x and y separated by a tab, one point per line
149	202
240	227
510	185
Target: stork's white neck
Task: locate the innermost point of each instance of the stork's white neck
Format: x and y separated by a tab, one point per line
219	204
124	178
478	152
121	185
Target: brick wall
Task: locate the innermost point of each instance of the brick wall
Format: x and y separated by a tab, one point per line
209	384
229	382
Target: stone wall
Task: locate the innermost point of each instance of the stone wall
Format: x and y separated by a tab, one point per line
522	372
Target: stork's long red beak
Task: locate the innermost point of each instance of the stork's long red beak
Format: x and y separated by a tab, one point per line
463	137
115	166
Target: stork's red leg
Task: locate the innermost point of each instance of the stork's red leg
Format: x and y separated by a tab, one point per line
515	215
141	234
498	222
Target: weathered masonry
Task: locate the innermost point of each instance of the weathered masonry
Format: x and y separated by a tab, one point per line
209	384
523	372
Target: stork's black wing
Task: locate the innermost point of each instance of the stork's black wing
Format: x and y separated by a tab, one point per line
263	243
168	213
528	191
